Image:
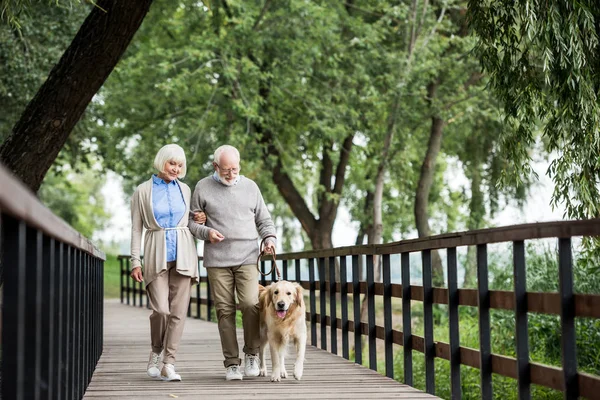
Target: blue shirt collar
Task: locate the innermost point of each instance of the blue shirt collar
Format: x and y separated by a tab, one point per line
159	181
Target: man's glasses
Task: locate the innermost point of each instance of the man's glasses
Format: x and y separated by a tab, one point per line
226	171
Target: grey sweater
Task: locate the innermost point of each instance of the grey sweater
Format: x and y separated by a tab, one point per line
239	213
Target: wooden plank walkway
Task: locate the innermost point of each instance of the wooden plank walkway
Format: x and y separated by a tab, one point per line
121	372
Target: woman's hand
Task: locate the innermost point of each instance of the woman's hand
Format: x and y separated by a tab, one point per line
136	274
199	217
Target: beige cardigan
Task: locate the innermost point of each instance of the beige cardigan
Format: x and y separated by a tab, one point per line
155	244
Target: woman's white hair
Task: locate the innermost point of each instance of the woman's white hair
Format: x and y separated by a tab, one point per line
167	153
225	149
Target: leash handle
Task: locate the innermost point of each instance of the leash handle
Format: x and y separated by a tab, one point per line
262	253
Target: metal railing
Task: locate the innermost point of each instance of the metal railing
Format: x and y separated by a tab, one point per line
565	303
52	300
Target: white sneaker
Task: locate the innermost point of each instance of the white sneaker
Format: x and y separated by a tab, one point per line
233	373
251	365
153	361
168	373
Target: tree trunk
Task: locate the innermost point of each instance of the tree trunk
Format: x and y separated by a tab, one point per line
50	116
424	187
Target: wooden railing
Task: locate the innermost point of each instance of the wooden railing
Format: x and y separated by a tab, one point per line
52	300
567	304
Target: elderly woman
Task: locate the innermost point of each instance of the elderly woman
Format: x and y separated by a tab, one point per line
161	206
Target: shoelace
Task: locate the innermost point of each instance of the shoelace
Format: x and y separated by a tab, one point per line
155	358
253	360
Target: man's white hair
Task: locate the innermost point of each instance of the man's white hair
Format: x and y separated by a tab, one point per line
225	149
167	153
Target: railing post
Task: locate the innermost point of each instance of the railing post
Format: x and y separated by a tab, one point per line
284	267
298	275
485	346
344	301
406	319
453	321
387	317
333	305
567	318
13	315
323	303
520	282
371	313
428	322
313	302
121	273
356	302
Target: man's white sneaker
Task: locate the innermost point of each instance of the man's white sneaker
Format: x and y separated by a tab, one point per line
153	361
233	373
251	365
168	373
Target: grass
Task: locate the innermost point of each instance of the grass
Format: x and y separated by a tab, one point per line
111	277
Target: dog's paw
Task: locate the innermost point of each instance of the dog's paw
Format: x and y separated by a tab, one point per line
283	373
298	372
276	378
263	372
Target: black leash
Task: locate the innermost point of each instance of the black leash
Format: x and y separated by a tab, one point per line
262	253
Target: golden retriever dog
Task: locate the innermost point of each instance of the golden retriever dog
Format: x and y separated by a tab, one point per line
282	318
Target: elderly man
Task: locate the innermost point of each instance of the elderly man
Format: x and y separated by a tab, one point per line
236	217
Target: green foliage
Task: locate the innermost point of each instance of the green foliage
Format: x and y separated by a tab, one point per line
77	199
543	61
28	54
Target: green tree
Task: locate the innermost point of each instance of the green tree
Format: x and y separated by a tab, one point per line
50	116
543	61
77	198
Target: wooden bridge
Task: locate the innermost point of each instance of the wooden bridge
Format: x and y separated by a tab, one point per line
61	340
121	371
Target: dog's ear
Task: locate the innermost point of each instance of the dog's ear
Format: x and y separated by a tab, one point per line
299	294
264	296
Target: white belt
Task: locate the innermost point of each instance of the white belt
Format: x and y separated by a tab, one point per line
177	228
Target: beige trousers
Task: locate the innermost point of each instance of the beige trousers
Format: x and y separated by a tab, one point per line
225	282
169	296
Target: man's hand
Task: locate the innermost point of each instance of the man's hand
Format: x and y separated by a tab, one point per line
269	247
199	217
215	236
136	274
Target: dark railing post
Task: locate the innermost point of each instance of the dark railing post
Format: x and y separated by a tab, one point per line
121	274
60	322
127	281
333	305
208	300
453	321
387	316
198	299
371	313
567	318
485	346
344	301
323	303
313	302
356	306
263	278
298	275
13	315
520	278
406	320
284	267
428	323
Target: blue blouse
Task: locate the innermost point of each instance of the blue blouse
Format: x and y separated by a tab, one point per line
169	208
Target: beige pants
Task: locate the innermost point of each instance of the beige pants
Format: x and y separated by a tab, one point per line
169	296
225	282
